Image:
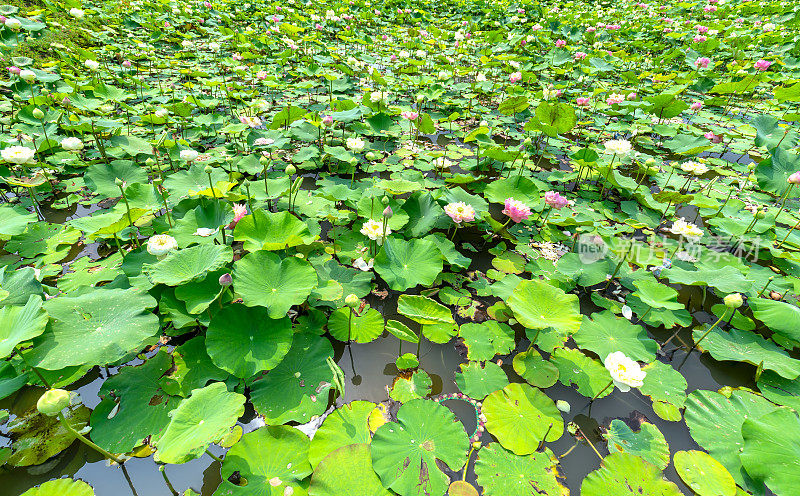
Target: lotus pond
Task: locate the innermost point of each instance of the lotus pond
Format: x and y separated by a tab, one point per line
317	248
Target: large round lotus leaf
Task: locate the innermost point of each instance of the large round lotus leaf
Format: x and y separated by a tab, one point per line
424	310
245	340
589	375
261	278
647	443
534	369
405	264
61	487
133	405
101	177
715	423
352	281
665	384
347	471
36	437
401	331
485	340
209	214
461	488
189	264
502	473
199	295
440	333
477	380
95	328
271	231
193	369
18	324
538	305
748	347
363	328
520	416
297	389
779	390
204	417
604	333
192	181
703	474
772	450
404	453
781	317
657	295
346	425
15	219
411	386
272	460
518	187
622	474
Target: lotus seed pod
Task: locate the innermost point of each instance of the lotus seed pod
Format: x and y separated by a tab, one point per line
208	169
371	156
733	300
264	160
52	402
291	170
150	162
38	114
225	280
118	181
352	300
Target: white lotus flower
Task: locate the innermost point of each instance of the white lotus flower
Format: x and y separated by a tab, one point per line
360	264
205	232
92	65
27	75
355	144
618	147
626	373
374	230
76	13
71	144
12	23
18	155
161	244
686	229
189	155
694	168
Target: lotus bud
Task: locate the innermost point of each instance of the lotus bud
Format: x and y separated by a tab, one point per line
264	160
52	402
352	300
291	170
371	156
387	212
65	101
733	300
225	280
119	182
385	200
150	162
38	114
208	169
526	142
563	406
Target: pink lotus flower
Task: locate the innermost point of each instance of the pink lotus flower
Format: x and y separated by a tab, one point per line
762	65
515	77
555	200
696	106
261	75
327	120
702	29
699	38
460	212
561	43
516	210
239	211
632	96
702	62
318	27
668	30
236	56
582	101
579	55
126	64
207	4
14	70
710	8
794	178
410	115
591	29
714	138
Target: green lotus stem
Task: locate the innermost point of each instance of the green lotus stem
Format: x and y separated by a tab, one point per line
119	247
130	219
544	222
419	340
456	229
787	234
610	169
541	443
166	207
590	444
730	192
250	202
783	200
215	457
36	205
769	281
86	440
619	265
214	194
610	383
34	369
677	248
641	319
162	469
697	343
466	465
349	324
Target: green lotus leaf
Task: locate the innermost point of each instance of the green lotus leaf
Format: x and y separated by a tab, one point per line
440	333
10	380
202	418
193	369
100	177
748	347
96	328
424	310
409	387
372	208
604	333
657	295
424	214
478	379
726	279
20	284
485	340
518	188
406	264
538	305
534	369
189	264
521	416
208	214
771	451
15	219
648	442
61	487
715	423
36	437
779	390
261	278
272	460
351	281
344	426
664	384
189	182
623	474
401	331
779	316
133	405
245	340
18	324
348	470
589	375
363	328
773	171
271	231
199	295
405	452
502	473
297	389
703	474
